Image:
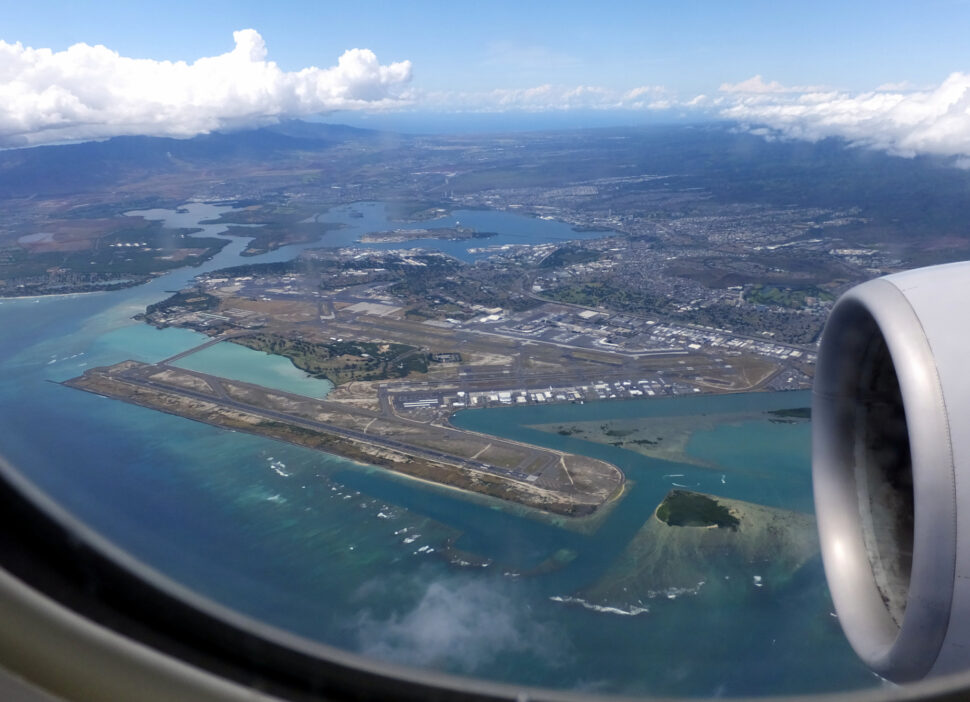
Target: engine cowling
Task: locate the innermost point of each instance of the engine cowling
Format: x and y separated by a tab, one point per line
891	469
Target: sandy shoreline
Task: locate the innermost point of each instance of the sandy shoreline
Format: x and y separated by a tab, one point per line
3	298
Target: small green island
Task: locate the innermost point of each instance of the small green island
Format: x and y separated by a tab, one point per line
692	509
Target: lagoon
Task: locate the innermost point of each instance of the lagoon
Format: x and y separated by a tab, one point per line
236	362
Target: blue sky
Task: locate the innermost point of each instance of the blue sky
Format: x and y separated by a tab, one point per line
750	61
688	46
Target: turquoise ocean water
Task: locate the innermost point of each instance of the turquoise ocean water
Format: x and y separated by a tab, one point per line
352	556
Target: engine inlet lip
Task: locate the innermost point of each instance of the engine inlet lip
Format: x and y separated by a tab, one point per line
878	310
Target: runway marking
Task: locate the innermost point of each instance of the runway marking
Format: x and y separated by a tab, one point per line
562	462
475	457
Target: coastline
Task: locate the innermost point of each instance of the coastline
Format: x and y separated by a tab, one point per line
68	294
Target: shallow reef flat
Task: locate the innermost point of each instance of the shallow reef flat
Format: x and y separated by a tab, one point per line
706	538
664	437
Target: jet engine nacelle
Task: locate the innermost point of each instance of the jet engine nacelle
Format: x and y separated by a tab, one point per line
891	469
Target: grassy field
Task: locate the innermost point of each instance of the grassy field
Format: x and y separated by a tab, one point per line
342	361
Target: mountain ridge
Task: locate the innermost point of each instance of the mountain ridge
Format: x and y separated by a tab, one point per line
92	165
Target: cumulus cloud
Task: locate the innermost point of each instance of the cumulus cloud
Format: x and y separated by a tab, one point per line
903	122
89	92
460	625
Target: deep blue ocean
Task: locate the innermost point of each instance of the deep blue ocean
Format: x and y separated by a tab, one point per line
355	557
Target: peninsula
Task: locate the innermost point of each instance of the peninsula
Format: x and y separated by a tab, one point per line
544	479
400	235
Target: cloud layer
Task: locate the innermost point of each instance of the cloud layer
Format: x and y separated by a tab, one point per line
89	92
92	92
549	98
897	118
903	122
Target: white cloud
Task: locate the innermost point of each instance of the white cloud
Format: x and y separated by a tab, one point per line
545	98
89	92
92	92
643	90
459	624
934	121
902	85
755	84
